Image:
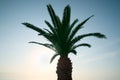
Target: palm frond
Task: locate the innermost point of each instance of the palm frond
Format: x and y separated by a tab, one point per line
73	51
53	16
78	27
98	35
66	16
79	45
49	32
59	23
55	55
50	26
47	35
72	25
39	30
50	46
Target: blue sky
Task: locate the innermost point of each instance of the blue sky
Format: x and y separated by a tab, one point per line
101	61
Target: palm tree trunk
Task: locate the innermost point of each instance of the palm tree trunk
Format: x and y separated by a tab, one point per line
64	69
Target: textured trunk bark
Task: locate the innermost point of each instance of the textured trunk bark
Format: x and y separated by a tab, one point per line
64	69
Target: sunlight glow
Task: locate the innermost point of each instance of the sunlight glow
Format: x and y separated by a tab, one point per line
35	67
39	56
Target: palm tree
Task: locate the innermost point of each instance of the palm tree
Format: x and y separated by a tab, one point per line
63	39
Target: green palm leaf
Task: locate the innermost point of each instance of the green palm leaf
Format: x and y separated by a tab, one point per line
41	32
34	28
50	27
46	45
79	45
70	28
73	24
78	27
66	16
98	35
54	56
48	31
53	16
73	51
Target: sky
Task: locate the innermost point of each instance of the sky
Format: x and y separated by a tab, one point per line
20	60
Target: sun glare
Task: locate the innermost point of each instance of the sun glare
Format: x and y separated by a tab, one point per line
39	56
38	63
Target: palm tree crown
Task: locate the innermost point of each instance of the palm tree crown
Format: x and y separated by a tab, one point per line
62	33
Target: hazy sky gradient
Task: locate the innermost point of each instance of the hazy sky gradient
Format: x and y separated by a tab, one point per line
23	60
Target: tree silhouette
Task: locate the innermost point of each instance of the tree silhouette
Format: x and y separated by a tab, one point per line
63	39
